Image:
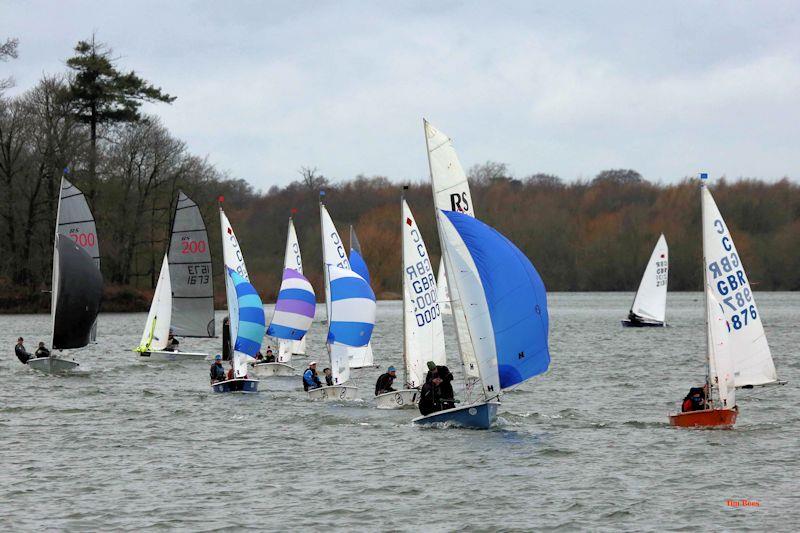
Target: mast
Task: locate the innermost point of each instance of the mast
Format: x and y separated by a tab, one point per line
406	368
710	395
54	276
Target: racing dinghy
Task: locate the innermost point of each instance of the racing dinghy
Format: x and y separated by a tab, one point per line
350	325
77	285
186	303
649	307
737	352
423	334
246	312
294	313
498	300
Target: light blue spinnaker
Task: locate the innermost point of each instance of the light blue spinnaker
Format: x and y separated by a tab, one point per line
508	289
251	322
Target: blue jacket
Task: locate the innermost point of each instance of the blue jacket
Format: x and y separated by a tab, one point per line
310	381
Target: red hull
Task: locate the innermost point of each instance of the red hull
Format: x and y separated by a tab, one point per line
710	418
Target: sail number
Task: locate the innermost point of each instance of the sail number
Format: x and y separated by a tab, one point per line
193	247
343	262
730	282
423	284
661	273
298	262
83	239
199	274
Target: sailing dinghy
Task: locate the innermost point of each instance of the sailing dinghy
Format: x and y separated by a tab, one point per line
350	325
650	303
185	304
246	312
737	353
423	334
294	313
77	285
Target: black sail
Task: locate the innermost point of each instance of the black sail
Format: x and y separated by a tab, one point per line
77	292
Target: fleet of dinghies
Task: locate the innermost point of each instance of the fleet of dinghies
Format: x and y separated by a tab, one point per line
497	300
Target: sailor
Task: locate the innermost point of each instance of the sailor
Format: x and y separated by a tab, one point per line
172	343
270	357
217	372
41	351
695	400
328	377
310	378
385	381
22	353
442	379
259	356
633	318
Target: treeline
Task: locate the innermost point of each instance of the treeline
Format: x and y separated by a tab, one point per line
585	235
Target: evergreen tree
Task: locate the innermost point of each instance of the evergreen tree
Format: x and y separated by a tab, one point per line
103	94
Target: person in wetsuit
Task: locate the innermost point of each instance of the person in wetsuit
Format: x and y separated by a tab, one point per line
41	351
385	381
269	357
172	343
437	392
695	400
328	377
310	378
217	372
22	354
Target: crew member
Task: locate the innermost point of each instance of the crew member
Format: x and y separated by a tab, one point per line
217	372
41	351
172	343
328	377
444	383
270	357
22	354
385	381
310	378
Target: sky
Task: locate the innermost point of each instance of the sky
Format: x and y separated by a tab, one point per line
567	88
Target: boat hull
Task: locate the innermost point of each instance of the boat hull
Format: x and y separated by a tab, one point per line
629	324
475	416
401	399
52	365
266	370
159	355
709	418
241	386
335	393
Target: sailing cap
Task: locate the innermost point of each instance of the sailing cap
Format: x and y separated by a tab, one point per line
218	357
431	365
391	369
312	363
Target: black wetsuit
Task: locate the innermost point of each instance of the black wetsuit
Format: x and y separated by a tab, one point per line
217	372
42	352
445	393
329	380
22	354
384	384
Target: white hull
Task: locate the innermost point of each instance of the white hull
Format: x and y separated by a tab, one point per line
265	370
334	393
158	355
52	365
401	399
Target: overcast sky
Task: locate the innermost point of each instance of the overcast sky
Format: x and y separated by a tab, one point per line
568	88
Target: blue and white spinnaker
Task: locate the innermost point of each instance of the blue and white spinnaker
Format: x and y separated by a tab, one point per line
295	308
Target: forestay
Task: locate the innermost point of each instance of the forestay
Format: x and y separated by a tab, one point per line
728	282
422	317
352	318
504	299
190	272
720	363
247	321
157	326
292	259
650	302
294	310
451	193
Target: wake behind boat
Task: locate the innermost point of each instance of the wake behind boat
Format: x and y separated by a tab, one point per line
649	306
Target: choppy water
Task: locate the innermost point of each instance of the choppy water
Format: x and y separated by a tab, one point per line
129	445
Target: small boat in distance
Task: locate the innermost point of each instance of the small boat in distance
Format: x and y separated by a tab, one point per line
77	284
737	352
184	296
246	312
423	334
649	306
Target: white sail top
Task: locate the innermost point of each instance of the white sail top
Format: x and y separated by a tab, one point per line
727	280
650	302
333	254
422	319
720	362
292	259
156	329
451	193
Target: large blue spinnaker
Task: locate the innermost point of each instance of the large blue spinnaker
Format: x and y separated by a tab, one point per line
251	321
515	298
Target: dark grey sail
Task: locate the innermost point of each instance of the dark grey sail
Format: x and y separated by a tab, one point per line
75	220
77	291
190	272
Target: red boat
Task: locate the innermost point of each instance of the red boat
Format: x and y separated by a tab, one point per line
708	418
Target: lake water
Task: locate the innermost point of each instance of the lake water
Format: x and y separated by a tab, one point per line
129	445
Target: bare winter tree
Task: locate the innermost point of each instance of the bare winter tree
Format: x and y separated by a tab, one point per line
8	50
311	178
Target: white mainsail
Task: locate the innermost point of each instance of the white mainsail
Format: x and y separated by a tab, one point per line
333	254
451	193
726	278
423	333
292	259
156	328
720	363
650	302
